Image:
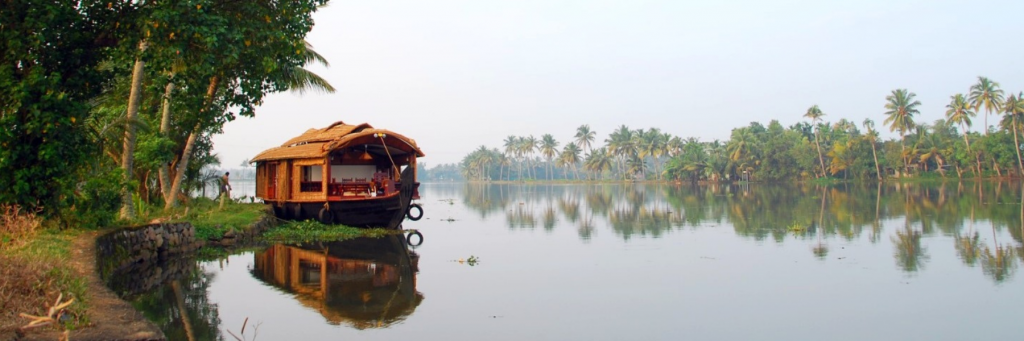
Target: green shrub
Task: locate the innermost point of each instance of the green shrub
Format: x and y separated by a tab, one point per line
97	201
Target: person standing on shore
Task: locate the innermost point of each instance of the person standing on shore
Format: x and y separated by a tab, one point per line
225	189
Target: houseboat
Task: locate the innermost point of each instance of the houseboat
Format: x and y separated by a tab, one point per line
354	175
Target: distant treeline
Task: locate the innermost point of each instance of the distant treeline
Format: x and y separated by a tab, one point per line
806	150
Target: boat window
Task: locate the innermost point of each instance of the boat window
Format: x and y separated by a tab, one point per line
312	178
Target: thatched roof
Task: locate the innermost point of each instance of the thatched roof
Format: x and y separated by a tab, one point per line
316	143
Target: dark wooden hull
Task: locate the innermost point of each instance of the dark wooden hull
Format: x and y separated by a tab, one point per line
383	212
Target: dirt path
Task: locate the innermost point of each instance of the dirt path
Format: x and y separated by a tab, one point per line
110	317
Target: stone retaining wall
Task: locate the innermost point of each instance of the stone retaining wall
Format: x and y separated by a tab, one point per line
136	259
144	244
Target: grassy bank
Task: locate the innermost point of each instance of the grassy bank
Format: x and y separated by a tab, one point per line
35	270
35	266
211	222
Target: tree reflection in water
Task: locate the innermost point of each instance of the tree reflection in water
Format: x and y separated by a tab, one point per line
967	248
910	254
998	263
777	213
182	308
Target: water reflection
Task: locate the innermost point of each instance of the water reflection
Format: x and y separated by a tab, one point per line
807	212
363	283
181	306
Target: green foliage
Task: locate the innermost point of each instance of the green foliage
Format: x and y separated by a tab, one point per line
310	230
97	199
48	69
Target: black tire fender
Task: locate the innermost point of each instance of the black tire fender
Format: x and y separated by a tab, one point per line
419	214
326	216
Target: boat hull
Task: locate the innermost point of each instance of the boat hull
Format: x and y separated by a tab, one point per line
378	212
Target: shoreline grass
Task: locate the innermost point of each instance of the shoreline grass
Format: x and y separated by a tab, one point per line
211	222
311	230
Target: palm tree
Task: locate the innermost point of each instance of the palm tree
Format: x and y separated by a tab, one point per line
598	161
620	144
842	158
548	148
986	94
503	161
932	149
584	137
651	143
674	146
570	156
127	156
739	144
511	150
958	111
815	114
900	110
872	137
300	80
1014	107
528	145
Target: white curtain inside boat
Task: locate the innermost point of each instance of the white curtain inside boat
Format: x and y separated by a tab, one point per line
339	172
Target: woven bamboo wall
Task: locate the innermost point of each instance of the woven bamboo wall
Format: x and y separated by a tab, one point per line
296	170
261	180
284	176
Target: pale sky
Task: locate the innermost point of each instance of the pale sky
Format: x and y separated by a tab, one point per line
455	75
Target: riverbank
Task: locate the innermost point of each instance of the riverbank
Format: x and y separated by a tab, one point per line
62	264
40	262
49	262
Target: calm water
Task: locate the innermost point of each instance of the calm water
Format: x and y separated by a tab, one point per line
617	262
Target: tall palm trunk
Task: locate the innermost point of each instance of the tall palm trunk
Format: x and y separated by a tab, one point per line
878	169
189	145
127	157
1016	147
821	161
520	170
164	171
179	302
657	168
903	152
968	143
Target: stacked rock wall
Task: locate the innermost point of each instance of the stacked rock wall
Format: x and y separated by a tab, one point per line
133	246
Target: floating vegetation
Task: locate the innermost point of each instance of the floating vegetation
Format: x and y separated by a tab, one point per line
311	230
471	261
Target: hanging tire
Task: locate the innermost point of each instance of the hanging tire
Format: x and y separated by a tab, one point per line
419	238
419	212
326	216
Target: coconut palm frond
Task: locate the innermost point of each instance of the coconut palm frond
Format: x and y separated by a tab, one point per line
303	80
310	55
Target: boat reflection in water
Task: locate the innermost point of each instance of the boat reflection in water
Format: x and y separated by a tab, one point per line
364	282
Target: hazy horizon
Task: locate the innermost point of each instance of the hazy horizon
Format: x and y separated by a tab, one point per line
455	75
